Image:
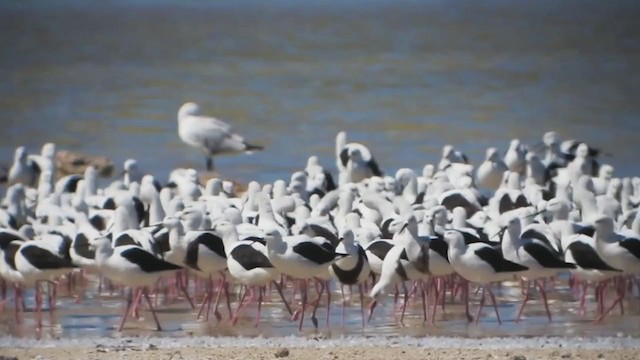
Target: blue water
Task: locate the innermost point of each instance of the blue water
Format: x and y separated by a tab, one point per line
405	77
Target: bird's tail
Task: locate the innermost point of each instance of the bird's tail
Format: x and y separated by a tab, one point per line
251	147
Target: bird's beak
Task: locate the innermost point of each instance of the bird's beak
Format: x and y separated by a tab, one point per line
404	226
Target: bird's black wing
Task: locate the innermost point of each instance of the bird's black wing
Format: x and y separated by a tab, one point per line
632	245
249	257
212	242
330	184
505	204
546	257
191	256
375	169
587	258
44	259
379	248
440	246
314	252
125	239
499	264
535	234
82	248
344	156
146	261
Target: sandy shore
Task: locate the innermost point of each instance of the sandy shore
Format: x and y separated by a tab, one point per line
320	349
312	353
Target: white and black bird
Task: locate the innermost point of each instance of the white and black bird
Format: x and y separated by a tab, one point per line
133	267
479	263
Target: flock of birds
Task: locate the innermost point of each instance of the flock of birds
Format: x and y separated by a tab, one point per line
532	214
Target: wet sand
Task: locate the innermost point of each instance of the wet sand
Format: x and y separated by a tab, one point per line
320	351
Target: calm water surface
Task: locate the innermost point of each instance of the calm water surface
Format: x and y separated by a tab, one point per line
405	77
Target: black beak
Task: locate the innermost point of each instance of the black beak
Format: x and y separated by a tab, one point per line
501	232
404	226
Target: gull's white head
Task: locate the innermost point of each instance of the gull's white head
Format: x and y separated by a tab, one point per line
187	109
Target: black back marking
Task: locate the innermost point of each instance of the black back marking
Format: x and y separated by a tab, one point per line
82	248
546	257
10	254
586	257
191	256
146	261
125	239
250	258
44	259
499	264
379	249
632	245
440	246
212	242
319	254
375	169
350	276
344	156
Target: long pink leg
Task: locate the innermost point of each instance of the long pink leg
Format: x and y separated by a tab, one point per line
480	306
543	292
314	320
260	288
424	300
183	288
524	301
465	294
126	310
279	289
18	302
583	298
38	305
361	303
344	303
303	290
328	289
153	312
136	303
495	305
236	316
404	303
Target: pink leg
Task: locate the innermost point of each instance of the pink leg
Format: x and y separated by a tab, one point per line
361	303
126	310
260	288
183	288
495	304
404	303
543	292
344	303
481	305
153	312
314	320
424	301
524	301
465	294
236	316
328	289
286	304
303	290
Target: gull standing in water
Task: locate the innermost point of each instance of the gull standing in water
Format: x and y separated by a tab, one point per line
211	135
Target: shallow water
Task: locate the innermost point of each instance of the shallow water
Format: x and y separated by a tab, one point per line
99	316
405	77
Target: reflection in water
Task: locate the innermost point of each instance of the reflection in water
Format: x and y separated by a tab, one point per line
406	77
97	316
